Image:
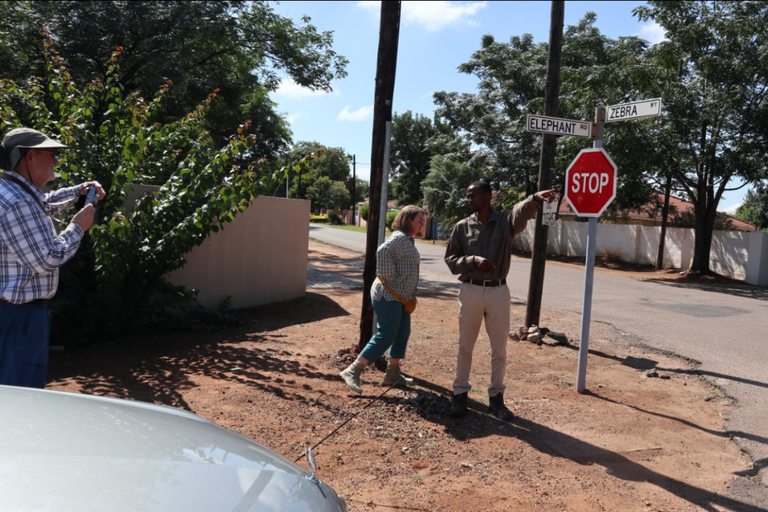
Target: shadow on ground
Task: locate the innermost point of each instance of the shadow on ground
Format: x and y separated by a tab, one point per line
157	367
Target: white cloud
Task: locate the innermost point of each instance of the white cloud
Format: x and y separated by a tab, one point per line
371	6
652	32
293	117
730	210
363	173
360	114
293	90
434	16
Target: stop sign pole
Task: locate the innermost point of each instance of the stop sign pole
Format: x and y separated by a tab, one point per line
587	191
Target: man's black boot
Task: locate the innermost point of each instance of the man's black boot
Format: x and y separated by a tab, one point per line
459	405
498	409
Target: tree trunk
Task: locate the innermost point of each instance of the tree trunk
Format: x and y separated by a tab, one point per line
664	219
704	222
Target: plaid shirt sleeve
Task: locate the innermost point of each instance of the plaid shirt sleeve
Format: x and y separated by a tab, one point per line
62	199
31	252
397	261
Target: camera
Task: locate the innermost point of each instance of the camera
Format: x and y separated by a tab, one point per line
92	198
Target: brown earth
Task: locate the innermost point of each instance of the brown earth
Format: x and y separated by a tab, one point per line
631	443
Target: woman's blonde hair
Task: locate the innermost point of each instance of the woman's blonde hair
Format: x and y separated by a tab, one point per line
404	217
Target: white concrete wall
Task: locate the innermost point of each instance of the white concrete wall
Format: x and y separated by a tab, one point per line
757	265
732	254
259	258
728	254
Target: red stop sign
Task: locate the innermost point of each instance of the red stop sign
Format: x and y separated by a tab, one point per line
590	182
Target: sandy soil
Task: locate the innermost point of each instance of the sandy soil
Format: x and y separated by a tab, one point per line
633	442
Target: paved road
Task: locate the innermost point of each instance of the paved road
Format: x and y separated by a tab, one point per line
725	329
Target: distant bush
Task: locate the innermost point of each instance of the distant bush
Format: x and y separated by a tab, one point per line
391	218
387	221
335	219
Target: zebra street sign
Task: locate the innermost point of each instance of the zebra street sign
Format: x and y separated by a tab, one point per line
558	126
636	110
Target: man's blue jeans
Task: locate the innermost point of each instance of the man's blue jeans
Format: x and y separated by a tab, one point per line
24	331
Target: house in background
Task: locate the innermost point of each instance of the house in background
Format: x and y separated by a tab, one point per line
680	215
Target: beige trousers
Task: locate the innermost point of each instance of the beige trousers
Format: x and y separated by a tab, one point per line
475	304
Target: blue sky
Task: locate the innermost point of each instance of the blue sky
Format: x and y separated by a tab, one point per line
435	38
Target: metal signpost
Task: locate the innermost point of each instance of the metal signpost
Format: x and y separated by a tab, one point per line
590	186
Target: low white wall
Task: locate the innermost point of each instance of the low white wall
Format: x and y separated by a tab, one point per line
728	254
737	254
258	258
757	265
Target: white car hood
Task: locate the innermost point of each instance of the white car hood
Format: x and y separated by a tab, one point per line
72	452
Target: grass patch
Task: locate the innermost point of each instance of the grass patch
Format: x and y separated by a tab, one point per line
347	227
363	229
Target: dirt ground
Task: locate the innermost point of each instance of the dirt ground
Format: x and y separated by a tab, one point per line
633	442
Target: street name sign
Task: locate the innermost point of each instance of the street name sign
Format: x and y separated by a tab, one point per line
549	211
636	110
558	126
590	182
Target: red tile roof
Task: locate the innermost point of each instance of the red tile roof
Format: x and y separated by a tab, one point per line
650	213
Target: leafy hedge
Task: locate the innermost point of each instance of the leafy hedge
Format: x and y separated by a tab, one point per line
116	278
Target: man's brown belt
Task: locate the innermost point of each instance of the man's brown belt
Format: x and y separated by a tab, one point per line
488	282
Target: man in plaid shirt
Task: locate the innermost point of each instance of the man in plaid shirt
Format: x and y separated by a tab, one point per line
31	252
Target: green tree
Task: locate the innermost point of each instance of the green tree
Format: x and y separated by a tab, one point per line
332	163
511	85
411	153
237	48
710	73
327	194
755	207
714	136
445	188
454	166
116	278
361	188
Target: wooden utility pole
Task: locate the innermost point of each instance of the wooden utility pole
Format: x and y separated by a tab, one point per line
546	163
389	33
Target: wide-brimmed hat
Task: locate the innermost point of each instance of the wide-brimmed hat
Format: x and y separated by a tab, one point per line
24	138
